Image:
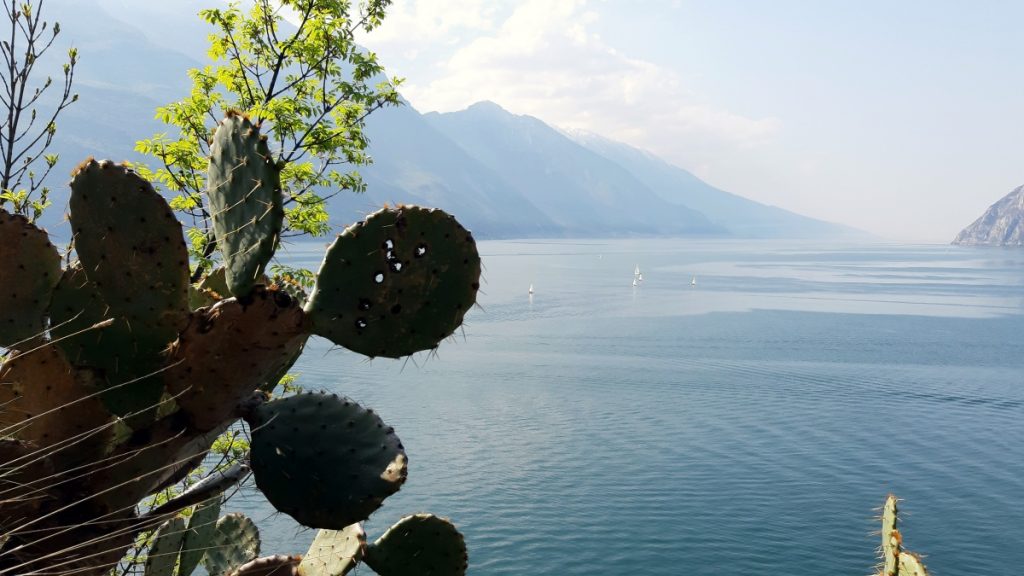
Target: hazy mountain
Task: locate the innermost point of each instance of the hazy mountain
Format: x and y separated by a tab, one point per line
502	174
416	164
1001	225
740	216
580	190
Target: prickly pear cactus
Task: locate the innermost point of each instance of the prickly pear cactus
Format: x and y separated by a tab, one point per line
122	228
277	565
419	544
350	461
30	268
235	541
245	200
115	385
397	283
334	552
896	561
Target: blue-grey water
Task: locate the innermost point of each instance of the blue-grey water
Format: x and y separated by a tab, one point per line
747	425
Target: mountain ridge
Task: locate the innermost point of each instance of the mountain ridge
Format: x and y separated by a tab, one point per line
1002	224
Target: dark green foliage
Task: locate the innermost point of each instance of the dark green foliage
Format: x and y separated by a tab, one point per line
30	268
244	190
324	459
397	283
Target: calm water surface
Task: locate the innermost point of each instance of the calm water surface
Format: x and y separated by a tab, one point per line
746	425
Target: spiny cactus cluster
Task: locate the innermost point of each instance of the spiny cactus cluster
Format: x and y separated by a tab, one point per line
896	561
120	374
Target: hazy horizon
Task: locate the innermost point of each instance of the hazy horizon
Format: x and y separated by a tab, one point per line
869	115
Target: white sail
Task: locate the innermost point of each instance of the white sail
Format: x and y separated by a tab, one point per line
636	271
634	281
531	289
693	281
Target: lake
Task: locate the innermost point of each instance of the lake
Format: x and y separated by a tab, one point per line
746	425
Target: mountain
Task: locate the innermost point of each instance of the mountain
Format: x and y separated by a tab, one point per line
581	191
1001	225
503	175
740	216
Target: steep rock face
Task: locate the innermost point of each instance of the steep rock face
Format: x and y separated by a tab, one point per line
1001	225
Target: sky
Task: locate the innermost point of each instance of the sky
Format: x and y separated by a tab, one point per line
904	119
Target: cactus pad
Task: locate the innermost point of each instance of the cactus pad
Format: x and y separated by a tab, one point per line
276	565
163	553
30	268
201	526
323	459
131	246
20	466
334	552
891	540
125	352
46	401
397	283
229	350
422	544
244	187
235	541
911	565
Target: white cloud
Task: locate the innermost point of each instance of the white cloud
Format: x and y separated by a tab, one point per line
545	60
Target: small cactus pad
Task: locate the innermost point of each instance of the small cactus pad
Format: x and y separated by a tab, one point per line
130	245
323	459
46	401
397	283
127	354
30	268
419	545
276	565
891	539
235	541
244	187
201	526
334	552
911	565
163	553
227	351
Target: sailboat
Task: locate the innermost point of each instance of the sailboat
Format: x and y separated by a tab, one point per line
693	281
531	289
634	282
637	276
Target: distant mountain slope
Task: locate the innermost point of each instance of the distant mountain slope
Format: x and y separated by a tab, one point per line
742	217
1001	225
416	164
583	193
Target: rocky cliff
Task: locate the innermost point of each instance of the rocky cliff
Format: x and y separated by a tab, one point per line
1001	225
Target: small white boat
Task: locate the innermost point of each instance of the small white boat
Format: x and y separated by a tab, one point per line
634	282
531	289
637	275
693	281
636	271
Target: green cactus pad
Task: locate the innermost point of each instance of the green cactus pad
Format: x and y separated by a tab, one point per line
235	541
323	459
334	552
911	565
397	283
48	402
163	554
891	539
229	350
419	545
124	351
244	187
131	246
277	565
201	526
30	267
